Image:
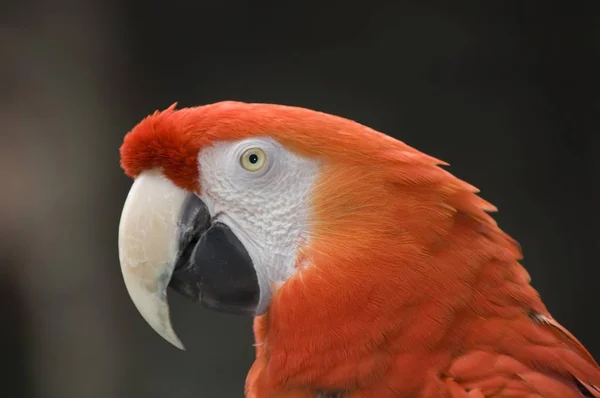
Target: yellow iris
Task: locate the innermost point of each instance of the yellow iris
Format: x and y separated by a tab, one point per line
253	159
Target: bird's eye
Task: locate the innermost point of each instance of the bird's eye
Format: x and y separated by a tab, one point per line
253	159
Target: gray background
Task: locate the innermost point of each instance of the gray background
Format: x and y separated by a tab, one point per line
506	92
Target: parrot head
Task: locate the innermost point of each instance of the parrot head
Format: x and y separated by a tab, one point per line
233	202
336	237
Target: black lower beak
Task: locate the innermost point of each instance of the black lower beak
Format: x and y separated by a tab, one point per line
213	266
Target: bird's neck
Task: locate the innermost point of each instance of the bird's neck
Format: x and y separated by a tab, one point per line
341	331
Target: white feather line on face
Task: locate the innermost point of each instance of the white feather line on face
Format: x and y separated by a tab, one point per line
268	210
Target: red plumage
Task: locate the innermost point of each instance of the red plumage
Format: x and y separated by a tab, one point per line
412	290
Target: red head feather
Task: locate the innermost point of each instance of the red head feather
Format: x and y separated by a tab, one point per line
171	139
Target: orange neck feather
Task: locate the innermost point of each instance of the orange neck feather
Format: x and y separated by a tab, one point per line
399	253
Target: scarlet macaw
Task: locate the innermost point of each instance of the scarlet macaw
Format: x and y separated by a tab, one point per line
370	270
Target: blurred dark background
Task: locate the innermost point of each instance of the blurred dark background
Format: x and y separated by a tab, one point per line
506	91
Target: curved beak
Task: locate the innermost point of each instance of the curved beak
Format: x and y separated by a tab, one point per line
167	238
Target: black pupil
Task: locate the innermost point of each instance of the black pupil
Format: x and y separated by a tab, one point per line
253	158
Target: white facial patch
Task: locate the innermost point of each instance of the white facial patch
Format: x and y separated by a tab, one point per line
267	209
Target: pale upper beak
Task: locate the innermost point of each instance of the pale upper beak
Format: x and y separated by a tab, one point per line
167	238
